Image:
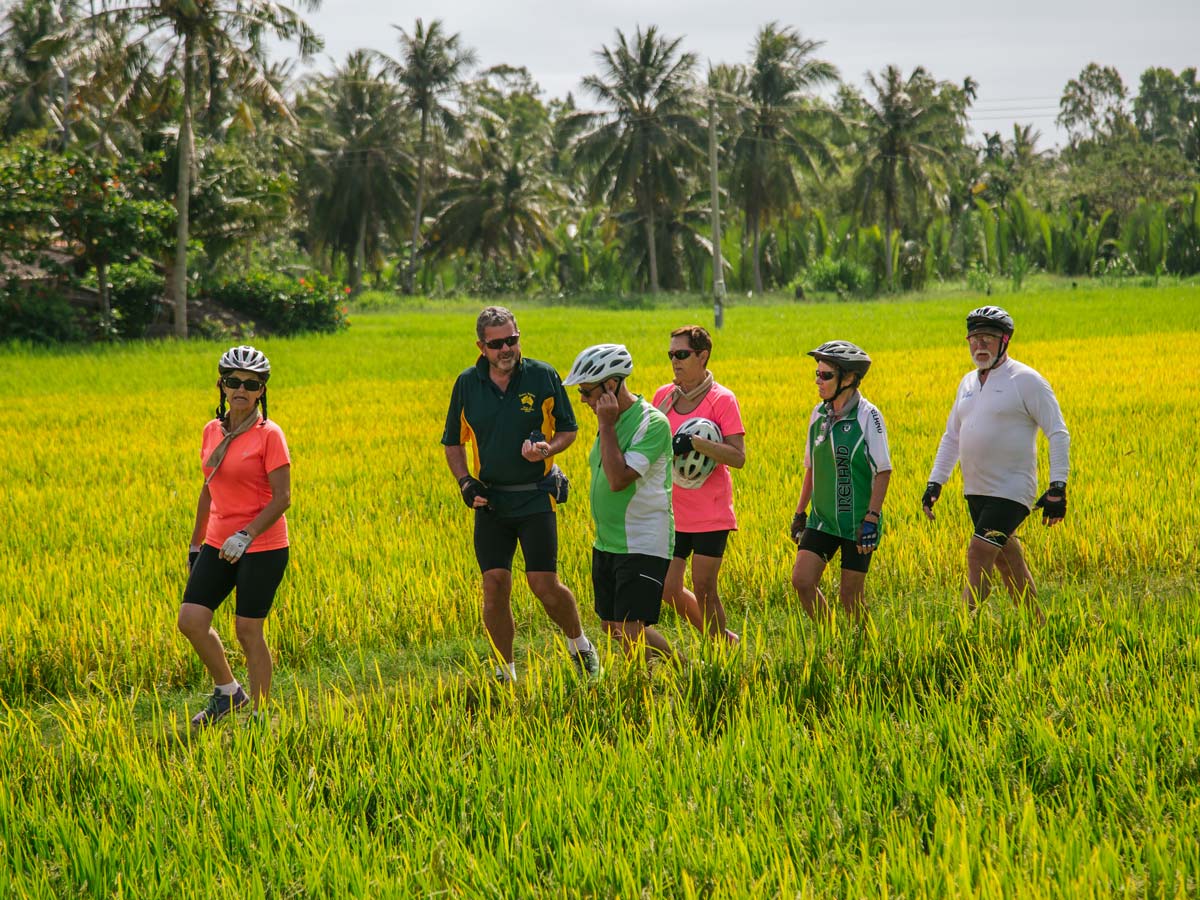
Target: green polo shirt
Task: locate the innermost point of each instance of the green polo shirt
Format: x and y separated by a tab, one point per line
495	423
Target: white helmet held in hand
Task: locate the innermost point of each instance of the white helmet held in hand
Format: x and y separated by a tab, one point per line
599	363
692	469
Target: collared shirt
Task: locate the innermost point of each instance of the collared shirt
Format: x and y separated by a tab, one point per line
496	423
637	519
992	429
845	452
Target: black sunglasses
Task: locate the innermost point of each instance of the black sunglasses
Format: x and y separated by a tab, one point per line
826	376
510	341
249	384
679	354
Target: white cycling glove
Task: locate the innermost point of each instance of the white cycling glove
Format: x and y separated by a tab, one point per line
235	545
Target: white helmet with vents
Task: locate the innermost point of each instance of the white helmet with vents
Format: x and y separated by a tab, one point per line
692	469
244	359
599	363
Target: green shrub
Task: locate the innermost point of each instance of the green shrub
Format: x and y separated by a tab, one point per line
283	305
136	291
841	275
40	315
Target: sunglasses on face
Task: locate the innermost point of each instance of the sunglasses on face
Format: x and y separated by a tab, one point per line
510	341
586	393
249	384
679	354
826	376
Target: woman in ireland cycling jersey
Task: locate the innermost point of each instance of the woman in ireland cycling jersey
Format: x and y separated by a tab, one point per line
847	467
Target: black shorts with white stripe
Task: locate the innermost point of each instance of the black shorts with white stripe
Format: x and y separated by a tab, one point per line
628	586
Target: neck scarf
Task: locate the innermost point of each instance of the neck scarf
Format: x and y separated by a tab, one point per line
218	454
695	394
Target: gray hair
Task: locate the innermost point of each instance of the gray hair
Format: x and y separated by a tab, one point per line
493	317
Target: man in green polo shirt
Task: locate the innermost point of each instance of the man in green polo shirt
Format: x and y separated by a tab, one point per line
516	416
631	499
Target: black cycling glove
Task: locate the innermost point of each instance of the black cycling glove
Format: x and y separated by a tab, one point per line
798	522
681	444
471	488
933	490
1053	503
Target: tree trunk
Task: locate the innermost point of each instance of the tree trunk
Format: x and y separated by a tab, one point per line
650	242
758	287
358	261
182	190
102	283
410	281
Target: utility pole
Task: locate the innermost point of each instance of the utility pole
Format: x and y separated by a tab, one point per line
714	187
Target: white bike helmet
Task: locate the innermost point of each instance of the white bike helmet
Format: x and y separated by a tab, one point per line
244	359
599	363
990	318
692	469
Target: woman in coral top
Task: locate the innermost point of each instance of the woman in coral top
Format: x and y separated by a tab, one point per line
703	514
240	539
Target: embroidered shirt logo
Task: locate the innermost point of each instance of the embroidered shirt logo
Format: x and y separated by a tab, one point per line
526	402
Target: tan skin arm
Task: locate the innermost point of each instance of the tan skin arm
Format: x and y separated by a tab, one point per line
456	459
281	498
730	452
879	489
612	460
203	505
557	444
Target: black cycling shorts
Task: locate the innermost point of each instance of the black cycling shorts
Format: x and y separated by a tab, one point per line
628	586
702	543
496	541
995	519
827	545
256	577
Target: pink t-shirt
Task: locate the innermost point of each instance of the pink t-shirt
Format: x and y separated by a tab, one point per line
240	488
710	506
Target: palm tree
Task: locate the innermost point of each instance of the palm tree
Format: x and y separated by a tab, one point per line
357	174
203	46
902	150
431	68
643	146
774	136
498	199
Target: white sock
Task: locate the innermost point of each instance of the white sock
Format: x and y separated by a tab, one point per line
229	689
512	671
579	645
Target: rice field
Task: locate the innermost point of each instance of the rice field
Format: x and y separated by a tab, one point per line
927	753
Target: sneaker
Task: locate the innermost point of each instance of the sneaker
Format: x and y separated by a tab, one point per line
504	675
587	663
732	637
219	706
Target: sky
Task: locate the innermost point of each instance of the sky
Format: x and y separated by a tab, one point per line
1021	52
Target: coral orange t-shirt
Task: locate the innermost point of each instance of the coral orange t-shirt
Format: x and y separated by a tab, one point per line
240	488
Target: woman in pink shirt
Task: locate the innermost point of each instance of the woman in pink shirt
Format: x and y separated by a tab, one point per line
240	539
704	514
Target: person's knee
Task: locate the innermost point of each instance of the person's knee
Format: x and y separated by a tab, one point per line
804	579
497	586
192	623
545	586
981	553
249	632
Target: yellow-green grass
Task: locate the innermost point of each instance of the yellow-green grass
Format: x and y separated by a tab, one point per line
927	753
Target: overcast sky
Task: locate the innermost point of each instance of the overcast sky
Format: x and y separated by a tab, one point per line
1021	52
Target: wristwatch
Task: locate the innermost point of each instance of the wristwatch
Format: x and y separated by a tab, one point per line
1058	486
873	512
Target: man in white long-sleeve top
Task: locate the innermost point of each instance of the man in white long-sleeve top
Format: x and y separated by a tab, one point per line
992	430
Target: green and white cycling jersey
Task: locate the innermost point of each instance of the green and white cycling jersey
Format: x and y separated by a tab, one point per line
639	518
845	453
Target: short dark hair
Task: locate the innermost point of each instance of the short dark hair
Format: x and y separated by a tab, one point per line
493	317
697	336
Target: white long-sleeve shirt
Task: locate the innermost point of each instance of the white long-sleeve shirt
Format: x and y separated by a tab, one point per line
992	429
